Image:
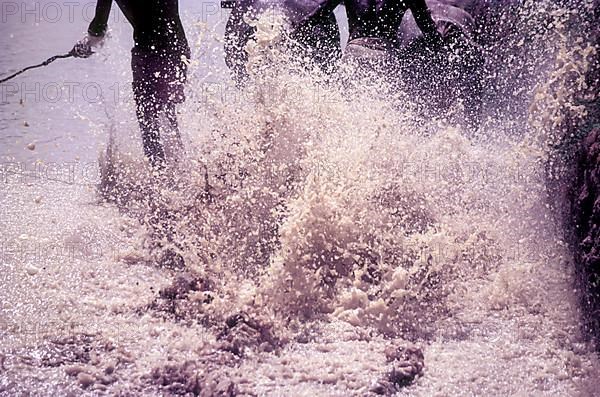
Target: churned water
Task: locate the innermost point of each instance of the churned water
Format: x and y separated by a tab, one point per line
336	233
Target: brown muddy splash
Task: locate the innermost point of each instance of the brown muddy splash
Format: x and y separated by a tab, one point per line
323	225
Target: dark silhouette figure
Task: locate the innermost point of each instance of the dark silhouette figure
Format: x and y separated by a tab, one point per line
374	23
158	63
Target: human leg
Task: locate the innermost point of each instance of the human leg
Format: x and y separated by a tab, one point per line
172	135
148	120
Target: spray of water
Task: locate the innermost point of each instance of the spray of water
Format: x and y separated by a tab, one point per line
323	218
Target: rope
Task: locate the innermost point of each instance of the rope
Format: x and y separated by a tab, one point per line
45	63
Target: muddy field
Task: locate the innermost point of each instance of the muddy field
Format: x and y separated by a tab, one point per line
338	238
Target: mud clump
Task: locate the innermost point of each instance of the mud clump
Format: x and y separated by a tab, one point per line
174	301
83	357
182	286
188	299
188	378
72	349
242	332
407	364
177	379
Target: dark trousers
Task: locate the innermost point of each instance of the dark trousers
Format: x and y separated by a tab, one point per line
158	80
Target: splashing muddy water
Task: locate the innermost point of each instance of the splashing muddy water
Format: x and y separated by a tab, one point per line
338	238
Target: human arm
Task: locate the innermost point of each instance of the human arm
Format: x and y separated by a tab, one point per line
96	31
99	24
424	21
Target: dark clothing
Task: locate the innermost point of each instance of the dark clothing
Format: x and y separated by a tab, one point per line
158	84
157	63
156	24
158	77
379	18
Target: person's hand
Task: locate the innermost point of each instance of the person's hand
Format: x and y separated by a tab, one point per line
85	47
